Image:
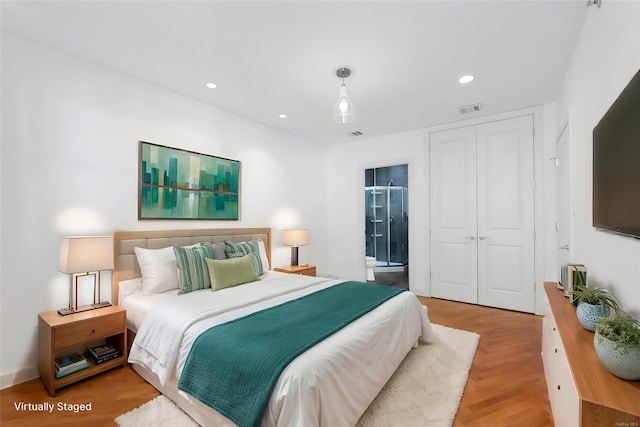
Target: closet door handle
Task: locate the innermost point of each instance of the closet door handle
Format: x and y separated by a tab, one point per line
470	237
482	237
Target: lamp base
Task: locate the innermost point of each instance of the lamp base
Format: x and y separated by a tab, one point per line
66	311
101	304
84	308
294	255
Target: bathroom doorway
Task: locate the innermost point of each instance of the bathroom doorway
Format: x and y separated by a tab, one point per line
387	223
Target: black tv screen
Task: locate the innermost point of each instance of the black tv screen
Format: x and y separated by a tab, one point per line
616	164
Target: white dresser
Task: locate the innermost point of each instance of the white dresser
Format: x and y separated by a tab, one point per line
581	391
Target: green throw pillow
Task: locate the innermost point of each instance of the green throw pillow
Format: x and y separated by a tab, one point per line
193	273
230	272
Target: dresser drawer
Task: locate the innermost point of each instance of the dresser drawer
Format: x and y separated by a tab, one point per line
87	330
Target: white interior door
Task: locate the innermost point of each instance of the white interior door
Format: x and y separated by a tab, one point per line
454	252
506	214
563	200
482	214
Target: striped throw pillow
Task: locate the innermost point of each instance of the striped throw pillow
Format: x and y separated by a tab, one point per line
193	273
251	248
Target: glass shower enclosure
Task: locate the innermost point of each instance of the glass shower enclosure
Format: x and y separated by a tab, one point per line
387	226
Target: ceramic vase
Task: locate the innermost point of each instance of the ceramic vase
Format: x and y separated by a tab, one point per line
588	315
620	362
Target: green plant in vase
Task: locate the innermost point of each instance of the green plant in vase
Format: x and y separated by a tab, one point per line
617	344
579	276
593	303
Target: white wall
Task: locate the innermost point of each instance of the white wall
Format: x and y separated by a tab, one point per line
606	57
70	133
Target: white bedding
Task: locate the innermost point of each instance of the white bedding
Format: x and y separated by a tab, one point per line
138	304
329	385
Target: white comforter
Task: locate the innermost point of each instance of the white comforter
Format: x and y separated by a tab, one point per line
329	385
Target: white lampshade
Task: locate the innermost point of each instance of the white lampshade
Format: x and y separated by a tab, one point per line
83	254
295	237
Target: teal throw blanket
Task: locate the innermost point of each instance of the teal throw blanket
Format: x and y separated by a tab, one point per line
234	367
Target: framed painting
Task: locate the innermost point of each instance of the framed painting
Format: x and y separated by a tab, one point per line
181	184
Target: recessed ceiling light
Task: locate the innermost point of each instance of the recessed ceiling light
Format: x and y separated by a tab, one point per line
283	116
212	85
465	79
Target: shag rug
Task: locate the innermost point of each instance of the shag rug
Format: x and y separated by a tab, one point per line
424	391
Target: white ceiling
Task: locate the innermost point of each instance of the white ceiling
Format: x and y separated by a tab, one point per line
272	57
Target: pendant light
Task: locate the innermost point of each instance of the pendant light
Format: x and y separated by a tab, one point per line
343	111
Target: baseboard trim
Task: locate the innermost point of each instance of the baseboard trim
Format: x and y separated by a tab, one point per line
17	377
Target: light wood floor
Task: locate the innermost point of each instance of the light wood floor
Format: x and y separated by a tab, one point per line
506	383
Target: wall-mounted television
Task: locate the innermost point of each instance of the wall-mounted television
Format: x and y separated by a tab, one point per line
616	164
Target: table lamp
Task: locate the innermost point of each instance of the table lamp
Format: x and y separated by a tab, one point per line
83	256
295	238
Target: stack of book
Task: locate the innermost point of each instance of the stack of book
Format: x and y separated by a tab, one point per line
102	353
69	364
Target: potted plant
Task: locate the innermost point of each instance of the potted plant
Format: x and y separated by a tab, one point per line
578	275
593	303
617	344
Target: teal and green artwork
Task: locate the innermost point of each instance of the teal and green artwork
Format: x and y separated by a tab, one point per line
180	184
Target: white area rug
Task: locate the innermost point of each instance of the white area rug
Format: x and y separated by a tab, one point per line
428	385
424	391
158	412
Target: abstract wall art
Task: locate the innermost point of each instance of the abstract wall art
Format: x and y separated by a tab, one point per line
181	184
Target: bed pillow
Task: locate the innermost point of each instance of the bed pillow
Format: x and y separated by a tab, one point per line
192	270
158	268
263	256
234	250
251	248
231	272
218	250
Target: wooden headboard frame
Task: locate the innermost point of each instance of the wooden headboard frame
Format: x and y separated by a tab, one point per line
125	264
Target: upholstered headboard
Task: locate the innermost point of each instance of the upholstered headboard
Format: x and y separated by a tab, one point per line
125	262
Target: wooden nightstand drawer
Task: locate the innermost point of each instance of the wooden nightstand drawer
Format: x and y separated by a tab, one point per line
87	330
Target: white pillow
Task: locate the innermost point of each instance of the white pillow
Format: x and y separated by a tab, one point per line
263	256
159	269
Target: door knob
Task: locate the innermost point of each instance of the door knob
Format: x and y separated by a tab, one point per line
470	237
565	247
482	237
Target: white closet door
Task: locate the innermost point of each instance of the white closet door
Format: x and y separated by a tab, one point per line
506	214
454	253
482	214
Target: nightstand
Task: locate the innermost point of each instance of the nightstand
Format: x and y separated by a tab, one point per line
61	335
307	270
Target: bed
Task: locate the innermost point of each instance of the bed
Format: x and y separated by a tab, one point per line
329	384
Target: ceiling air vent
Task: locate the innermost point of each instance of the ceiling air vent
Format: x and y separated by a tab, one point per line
356	133
470	108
